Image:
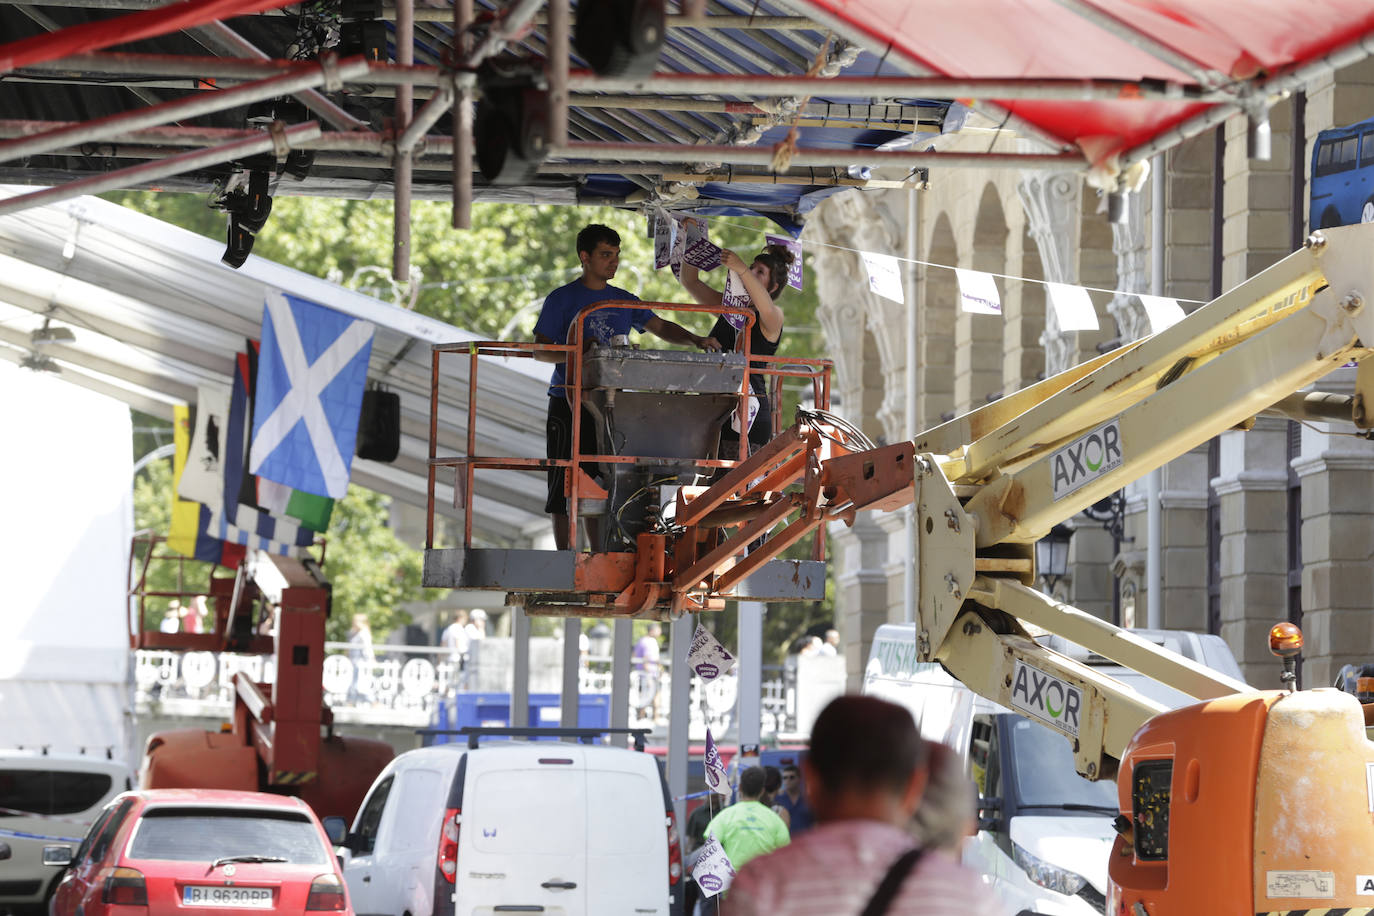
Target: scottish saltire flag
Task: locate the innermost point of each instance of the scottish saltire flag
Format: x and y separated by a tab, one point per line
311	374
237	522
187	535
309	510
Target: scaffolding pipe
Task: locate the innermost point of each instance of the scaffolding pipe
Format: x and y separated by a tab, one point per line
310	98
151	171
1107	22
301	76
556	69
428	115
803	157
400	157
1276	86
507	27
439	14
462	124
755	85
204	68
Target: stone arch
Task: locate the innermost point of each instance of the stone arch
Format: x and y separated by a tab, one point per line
939	304
978	338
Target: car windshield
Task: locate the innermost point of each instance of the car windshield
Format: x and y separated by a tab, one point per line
207	834
1042	762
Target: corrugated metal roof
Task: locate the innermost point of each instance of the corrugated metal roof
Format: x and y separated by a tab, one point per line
154	313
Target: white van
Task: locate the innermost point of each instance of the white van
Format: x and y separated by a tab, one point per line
48	800
1046	832
515	826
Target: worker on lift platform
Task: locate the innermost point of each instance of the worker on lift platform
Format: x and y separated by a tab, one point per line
764	280
598	248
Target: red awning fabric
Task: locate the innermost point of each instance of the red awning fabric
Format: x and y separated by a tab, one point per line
1234	41
92	36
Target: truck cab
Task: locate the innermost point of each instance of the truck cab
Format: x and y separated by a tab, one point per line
1044	832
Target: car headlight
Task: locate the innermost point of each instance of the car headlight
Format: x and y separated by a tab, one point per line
1046	875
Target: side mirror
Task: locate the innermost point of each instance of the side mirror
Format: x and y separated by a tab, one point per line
4	850
989	814
336	828
59	856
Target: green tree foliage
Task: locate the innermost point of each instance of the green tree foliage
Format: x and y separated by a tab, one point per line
372	571
490	279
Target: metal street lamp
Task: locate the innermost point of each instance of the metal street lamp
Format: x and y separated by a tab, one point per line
1052	555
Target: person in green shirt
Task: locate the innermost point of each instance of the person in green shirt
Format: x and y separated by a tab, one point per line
748	828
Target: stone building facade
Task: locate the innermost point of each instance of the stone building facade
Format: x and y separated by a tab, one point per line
1271	524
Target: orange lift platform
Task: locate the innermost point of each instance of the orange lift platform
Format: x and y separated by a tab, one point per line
674	526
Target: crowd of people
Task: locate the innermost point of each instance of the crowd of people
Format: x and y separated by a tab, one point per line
877	829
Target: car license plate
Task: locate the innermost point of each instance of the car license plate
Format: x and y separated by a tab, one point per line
255	898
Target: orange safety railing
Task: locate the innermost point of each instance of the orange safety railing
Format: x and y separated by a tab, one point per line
465	466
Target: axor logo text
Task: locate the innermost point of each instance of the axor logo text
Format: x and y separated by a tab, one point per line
1086	458
1047	698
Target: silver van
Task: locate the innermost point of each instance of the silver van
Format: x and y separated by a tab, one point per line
520	826
48	800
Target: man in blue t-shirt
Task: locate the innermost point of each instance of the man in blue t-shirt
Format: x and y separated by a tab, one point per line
598	248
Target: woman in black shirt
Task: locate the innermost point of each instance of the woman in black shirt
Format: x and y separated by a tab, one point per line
764	280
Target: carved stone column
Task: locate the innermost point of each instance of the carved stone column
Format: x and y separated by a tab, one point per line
1052	201
1132	271
865	336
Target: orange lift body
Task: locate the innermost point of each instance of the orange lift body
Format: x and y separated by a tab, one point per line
1253	803
274	742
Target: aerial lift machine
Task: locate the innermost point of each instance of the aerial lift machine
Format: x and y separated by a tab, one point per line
1247	802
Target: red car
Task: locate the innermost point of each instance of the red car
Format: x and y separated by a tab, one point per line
198	852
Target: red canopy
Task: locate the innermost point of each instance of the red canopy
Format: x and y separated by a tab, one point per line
1189	42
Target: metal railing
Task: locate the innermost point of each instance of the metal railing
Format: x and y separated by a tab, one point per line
466	465
403	685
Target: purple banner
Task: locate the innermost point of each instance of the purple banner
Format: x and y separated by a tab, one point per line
794	270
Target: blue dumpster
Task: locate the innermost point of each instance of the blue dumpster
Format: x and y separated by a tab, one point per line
492	710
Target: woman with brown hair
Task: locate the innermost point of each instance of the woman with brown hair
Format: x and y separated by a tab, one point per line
764	280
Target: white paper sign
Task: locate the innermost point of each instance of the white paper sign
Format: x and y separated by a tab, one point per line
978	293
713	872
1073	307
1304	883
884	275
716	780
735	297
707	657
794	270
689	229
665	237
1162	311
679	246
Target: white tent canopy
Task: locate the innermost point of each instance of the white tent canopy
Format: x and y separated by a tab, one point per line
153	313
